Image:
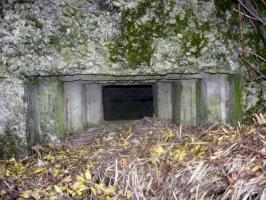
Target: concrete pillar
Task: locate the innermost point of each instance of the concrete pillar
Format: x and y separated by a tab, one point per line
163	100
201	105
45	110
94	104
217	90
184	102
75	107
235	107
188	102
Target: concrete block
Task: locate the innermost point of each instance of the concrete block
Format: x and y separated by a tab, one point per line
45	111
94	104
235	106
184	102
75	107
163	100
201	105
188	102
217	96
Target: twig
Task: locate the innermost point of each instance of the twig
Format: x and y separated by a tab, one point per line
240	27
254	54
253	68
251	12
264	3
244	14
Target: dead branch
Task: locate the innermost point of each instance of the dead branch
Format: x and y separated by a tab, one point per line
254	54
251	66
251	12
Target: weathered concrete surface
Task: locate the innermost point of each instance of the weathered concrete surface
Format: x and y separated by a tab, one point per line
45	111
75	37
56	108
217	98
94	104
12	105
12	118
75	107
185	102
163	100
222	96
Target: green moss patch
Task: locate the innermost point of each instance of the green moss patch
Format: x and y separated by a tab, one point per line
11	145
149	20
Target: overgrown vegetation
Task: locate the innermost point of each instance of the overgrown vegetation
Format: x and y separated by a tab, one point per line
146	159
252	45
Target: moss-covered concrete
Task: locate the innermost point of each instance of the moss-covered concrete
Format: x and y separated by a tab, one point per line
45	111
156	19
201	103
184	102
140	37
235	114
254	99
11	145
12	118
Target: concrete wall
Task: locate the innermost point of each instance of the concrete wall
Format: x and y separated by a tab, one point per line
57	108
212	99
12	118
94	38
45	111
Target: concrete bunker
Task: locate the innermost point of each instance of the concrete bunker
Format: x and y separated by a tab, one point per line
62	105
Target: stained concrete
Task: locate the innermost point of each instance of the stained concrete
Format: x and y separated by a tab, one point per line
75	106
45	111
94	104
217	96
184	95
163	100
56	107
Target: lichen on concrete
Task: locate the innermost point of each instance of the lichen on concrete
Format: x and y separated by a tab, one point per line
178	39
45	111
254	99
87	37
12	118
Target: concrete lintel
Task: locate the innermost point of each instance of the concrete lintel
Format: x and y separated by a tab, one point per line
144	78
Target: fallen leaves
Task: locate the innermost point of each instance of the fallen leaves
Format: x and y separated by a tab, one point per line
147	165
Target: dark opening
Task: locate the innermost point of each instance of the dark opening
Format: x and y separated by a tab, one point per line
127	102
